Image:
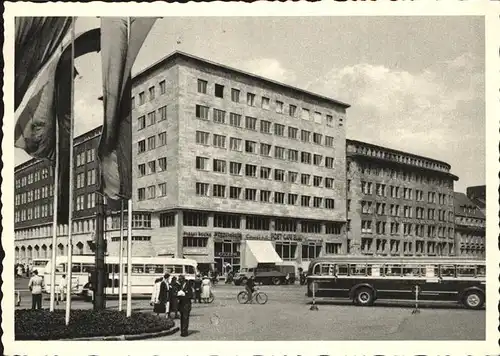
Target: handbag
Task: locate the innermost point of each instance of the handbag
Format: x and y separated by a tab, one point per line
159	308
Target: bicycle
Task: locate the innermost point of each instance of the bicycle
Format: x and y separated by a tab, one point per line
260	297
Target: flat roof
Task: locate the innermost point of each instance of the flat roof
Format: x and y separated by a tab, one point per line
179	54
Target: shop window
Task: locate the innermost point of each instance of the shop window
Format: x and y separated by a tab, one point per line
286	250
310	251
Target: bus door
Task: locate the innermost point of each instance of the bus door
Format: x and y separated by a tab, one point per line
113	277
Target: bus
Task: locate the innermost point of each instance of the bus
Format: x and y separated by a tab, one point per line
39	265
367	279
144	272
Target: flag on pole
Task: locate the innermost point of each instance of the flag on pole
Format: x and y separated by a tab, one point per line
120	47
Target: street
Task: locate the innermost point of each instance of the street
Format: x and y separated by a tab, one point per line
286	316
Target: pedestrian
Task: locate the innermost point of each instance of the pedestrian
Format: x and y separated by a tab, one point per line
185	295
205	289
160	299
27	271
174	302
61	289
197	289
35	285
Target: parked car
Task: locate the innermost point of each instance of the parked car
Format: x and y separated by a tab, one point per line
266	274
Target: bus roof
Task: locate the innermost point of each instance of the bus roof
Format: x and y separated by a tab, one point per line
135	260
398	260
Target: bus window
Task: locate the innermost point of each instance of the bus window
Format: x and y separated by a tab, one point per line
317	270
466	271
375	270
447	270
189	269
480	271
154	269
430	271
178	269
392	270
411	271
327	269
137	268
169	268
61	268
342	270
87	267
76	267
358	270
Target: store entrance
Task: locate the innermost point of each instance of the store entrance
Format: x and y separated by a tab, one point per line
227	253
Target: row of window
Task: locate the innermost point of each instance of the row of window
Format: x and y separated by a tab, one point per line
34	195
151	93
80	201
36	212
34	177
470	221
152	167
139	220
85	157
396	192
368	207
91	178
265	103
408	229
150	119
396	247
151	142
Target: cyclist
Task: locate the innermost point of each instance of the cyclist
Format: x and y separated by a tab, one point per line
250	287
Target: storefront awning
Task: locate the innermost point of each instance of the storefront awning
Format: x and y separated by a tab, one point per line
260	252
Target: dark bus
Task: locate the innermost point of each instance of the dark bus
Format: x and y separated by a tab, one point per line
367	279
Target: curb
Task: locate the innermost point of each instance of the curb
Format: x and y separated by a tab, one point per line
127	337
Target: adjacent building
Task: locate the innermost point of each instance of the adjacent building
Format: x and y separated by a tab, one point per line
478	196
470	227
398	203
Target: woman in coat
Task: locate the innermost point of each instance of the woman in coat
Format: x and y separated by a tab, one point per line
205	289
174	301
160	299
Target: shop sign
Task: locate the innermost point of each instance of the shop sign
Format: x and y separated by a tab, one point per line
197	234
286	237
228	235
227	254
258	237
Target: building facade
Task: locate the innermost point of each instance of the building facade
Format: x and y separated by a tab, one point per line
470	227
398	204
478	196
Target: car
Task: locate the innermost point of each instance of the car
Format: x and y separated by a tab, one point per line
264	275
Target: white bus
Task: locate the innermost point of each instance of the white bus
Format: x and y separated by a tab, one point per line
39	265
144	272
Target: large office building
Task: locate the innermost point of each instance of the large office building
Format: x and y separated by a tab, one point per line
398	203
222	158
470	227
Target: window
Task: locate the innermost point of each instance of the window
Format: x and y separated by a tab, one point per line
141	146
235	168
257	223
235	144
279	107
304	178
167	219
151	143
202	163
234	192
265	149
329	203
328	182
305	135
265	103
310	251
286	250
151	192
219	190
329	120
317	160
265	196
235	95
305	200
227	221
279	152
317	181
251	146
250	194
279	175
251	123
91	177
279	198
142	170
142	98
151	93
329	141
202	189
195	219
292	110
305	114
219	166
163	87
317	202
292	132
317	138
219	141
162	138
293	155
235	119
250	170
265	172
141	193
162	190
317	117
329	162
219	116
202	112
151	118
305	157
202	137
141	122
151	167
202	86
219	91
292	199
250	99
265	126
279	130
292	177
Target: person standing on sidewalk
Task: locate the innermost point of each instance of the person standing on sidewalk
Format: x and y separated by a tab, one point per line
61	289
36	287
185	295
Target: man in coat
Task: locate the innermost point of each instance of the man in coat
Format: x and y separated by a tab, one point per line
197	289
185	295
161	295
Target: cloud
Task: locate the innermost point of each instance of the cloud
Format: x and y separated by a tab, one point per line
437	112
269	68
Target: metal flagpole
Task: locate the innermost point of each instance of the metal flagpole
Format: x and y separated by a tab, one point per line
120	278
129	232
54	225
71	182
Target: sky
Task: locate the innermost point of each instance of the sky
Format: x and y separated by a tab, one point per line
414	84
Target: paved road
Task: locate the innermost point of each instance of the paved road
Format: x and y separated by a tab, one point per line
286	316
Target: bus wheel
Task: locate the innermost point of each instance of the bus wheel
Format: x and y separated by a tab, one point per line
473	300
363	297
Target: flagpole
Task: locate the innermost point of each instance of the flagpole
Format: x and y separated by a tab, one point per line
71	179
129	232
120	278
54	225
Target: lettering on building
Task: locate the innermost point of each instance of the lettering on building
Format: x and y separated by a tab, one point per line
197	234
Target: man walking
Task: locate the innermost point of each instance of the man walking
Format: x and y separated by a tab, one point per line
185	295
36	286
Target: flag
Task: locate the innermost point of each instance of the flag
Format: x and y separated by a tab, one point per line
120	47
